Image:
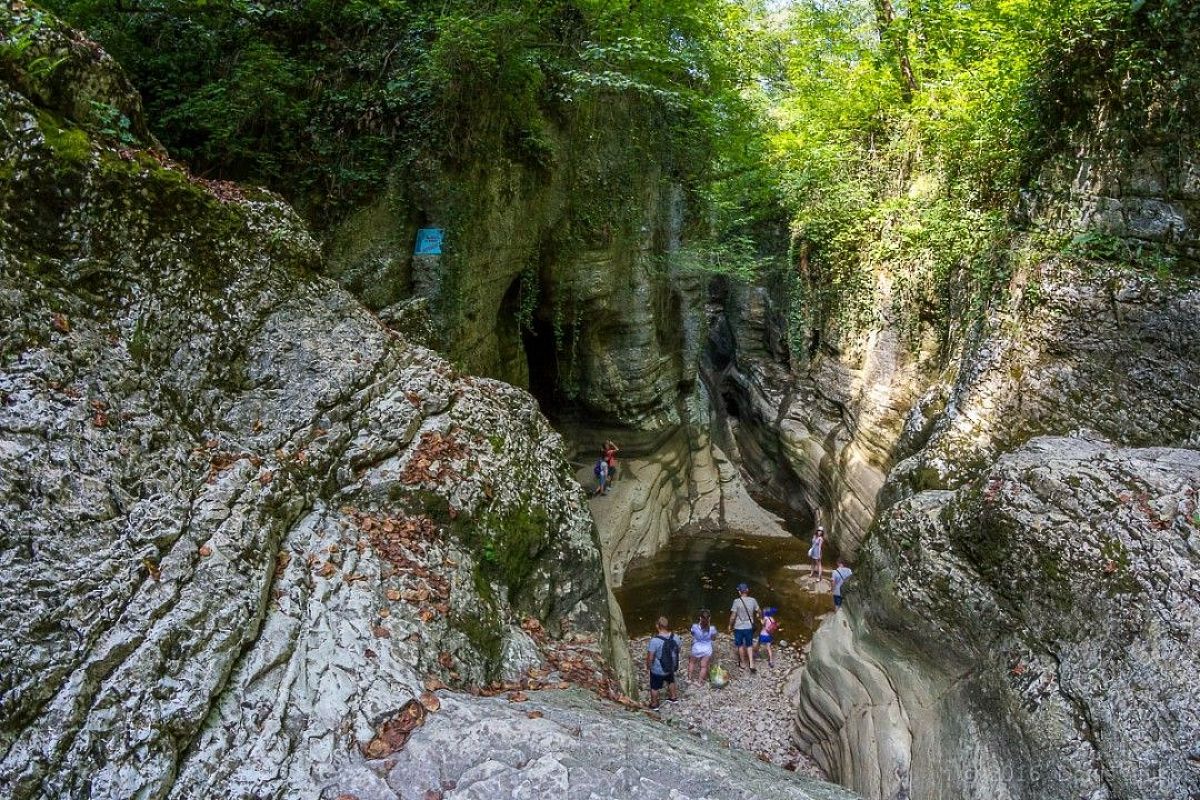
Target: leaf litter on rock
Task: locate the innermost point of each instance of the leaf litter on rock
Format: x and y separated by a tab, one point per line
392	733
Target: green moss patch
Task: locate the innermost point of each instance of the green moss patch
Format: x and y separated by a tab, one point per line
507	547
69	144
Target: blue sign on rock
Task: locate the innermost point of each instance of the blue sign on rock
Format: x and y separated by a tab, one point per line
429	242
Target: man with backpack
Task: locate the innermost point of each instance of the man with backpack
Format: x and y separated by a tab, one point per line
601	473
662	659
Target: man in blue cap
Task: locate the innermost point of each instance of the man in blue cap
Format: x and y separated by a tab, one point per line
742	616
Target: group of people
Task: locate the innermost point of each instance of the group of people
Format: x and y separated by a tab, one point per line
838	577
606	467
662	651
745	615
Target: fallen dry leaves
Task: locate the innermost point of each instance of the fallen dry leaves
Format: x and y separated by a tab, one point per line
435	457
404	542
392	733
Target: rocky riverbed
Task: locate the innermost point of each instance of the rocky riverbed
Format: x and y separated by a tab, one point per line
751	713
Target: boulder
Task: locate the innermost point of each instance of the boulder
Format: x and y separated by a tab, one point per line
1029	635
240	519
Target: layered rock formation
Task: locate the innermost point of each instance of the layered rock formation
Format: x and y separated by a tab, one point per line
818	434
1021	605
248	532
1026	635
558	277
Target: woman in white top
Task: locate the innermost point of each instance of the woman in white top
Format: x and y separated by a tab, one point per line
814	552
703	632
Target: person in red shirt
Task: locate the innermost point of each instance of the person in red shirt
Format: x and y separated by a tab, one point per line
610	457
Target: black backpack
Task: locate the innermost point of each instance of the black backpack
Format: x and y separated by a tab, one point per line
668	656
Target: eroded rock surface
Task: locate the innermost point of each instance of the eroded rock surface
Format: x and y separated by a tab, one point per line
1035	638
569	745
248	532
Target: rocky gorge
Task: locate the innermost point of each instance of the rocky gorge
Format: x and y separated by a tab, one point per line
297	514
1020	512
249	533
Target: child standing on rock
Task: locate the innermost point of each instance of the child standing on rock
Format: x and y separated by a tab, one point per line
601	472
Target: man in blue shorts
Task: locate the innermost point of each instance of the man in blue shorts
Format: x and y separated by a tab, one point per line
839	577
742	616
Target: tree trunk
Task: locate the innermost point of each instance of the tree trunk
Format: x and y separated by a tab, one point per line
885	16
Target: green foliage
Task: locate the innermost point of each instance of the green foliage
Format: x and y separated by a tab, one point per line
916	181
111	122
323	99
15	44
1108	251
735	256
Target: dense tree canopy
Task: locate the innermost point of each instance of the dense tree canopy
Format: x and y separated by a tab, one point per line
813	111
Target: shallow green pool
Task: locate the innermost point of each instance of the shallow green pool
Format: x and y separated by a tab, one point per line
702	570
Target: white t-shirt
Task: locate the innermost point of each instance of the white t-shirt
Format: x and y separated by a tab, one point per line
839	577
743	610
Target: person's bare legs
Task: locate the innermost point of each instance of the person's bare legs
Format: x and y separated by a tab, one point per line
692	662
703	674
746	657
671	694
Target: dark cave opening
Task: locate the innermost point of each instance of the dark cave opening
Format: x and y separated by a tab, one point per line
541	357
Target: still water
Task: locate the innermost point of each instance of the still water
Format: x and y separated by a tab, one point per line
703	570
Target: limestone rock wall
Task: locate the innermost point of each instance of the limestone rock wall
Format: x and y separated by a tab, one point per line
1011	607
240	519
820	436
1024	636
553	277
556	278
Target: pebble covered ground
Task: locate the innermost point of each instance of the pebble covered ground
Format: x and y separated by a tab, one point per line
750	713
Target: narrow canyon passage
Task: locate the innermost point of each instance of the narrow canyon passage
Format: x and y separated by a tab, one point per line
317	315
